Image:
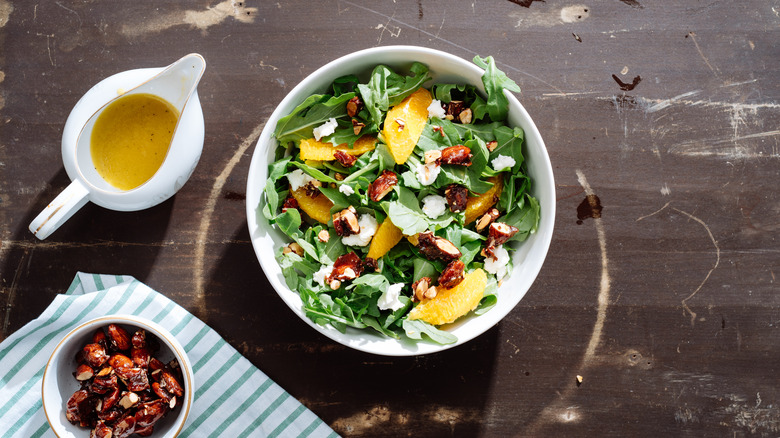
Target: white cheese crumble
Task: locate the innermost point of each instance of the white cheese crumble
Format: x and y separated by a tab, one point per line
368	226
502	162
322	274
325	129
427	173
346	189
389	299
298	179
434	206
435	109
498	263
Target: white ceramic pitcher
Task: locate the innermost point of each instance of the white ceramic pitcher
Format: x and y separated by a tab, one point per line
177	84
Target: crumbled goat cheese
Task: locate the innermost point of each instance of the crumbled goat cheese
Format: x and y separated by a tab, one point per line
298	179
389	299
435	110
322	274
325	129
502	162
427	173
498	263
346	189
368	226
434	206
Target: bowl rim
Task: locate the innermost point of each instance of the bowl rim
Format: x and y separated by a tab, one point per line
176	348
254	195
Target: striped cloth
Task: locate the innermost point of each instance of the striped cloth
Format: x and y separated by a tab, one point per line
232	397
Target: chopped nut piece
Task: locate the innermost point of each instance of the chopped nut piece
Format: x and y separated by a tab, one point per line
128	400
346	222
432	156
382	185
491	145
357	126
339	176
323	236
452	275
346	267
401	124
420	287
289	202
84	372
435	247
354	106
487	219
334	284
459	155
118	337
293	247
95	355
579	380
431	293
344	158
371	263
454	108
498	234
465	116
457	197
312	188
439	130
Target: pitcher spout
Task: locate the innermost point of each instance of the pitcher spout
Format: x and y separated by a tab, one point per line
178	81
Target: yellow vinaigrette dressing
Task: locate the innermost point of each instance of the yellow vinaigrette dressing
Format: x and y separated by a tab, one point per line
130	139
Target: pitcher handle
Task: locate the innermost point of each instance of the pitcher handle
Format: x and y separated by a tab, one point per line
60	210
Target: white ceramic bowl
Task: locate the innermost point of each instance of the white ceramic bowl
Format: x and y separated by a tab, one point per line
59	383
445	68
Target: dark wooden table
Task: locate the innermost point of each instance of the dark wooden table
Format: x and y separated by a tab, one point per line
664	298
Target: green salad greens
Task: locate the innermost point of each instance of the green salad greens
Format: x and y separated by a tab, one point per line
400	199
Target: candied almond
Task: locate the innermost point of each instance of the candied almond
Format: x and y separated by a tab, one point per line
382	185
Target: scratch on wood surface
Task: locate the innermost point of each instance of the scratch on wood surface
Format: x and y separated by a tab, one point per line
69	10
465	49
706	61
394	32
12	293
205	221
685	306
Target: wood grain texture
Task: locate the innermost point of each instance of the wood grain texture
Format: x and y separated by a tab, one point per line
686	338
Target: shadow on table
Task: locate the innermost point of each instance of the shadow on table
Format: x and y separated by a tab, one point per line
93	240
356	393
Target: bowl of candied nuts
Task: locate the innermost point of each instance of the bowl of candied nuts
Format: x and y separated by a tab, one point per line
117	376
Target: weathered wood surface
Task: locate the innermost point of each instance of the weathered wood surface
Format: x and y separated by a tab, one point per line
666	304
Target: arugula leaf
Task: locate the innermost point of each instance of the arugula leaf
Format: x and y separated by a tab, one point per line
416	328
423	268
387	88
345	84
313	112
495	82
406	213
525	218
510	143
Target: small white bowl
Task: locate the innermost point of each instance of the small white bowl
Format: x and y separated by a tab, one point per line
444	68
59	384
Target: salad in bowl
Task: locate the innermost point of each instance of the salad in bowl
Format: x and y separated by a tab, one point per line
399	197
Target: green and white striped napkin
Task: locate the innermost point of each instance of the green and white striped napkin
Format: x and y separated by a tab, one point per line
232	397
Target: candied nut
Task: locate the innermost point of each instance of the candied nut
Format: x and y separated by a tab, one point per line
346	222
346	267
371	263
170	384
104	381
289	202
150	412
139	338
452	275
140	357
465	116
420	287
118	337
454	108
487	219
75	406
145	431
459	155
339	176
95	355
435	247
125	426
120	361
99	337
101	430
431	293
457	197
84	372
401	124
354	106
357	126
439	130
312	188
499	233
345	159
382	185
334	284
110	400
323	236
162	392
293	247
432	156
491	145
129	399
134	378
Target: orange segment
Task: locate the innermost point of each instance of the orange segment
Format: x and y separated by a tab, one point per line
318	207
412	113
413	239
387	236
312	149
451	304
476	206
